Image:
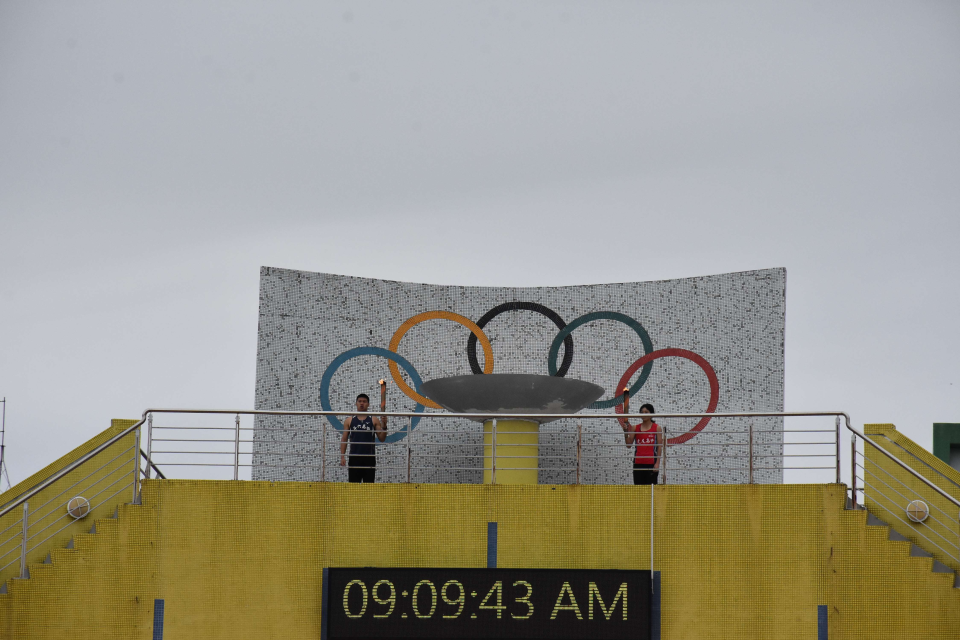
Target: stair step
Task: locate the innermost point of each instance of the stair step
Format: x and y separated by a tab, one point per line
897	536
939	567
917	552
850	506
874	521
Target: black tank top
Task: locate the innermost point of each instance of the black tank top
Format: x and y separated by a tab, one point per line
362	437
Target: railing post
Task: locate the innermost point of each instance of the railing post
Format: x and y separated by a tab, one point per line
236	449
838	450
149	444
853	471
493	453
579	447
136	467
663	456
323	448
23	543
750	449
409	436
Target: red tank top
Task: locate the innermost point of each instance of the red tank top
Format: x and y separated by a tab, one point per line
646	441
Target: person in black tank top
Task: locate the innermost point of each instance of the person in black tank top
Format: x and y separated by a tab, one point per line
361	432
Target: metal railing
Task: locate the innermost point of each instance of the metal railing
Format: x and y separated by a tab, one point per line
870	480
41	522
885	485
302	445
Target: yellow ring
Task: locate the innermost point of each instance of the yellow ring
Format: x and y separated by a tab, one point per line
435	315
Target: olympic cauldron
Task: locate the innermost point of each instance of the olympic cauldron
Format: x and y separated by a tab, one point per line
513	446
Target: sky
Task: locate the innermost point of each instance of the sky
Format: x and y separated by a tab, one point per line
153	156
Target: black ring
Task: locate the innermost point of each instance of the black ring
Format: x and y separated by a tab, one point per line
521	306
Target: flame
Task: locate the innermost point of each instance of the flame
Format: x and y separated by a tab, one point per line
382	382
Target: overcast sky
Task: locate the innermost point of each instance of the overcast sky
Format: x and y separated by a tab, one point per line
154	155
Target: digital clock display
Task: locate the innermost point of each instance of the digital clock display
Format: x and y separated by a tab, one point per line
480	604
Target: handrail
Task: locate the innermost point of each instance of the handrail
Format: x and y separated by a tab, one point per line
398	414
19	500
915	457
153	466
409	414
902	464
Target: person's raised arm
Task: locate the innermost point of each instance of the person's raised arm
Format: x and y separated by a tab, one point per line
343	441
624	423
380	424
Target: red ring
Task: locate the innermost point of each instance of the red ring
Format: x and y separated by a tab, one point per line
681	353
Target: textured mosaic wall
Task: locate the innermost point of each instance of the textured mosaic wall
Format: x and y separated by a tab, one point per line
325	338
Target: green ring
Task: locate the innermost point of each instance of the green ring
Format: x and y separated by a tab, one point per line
604	315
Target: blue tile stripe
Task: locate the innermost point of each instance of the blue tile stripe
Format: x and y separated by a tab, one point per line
158	619
822	629
655	607
491	545
324	596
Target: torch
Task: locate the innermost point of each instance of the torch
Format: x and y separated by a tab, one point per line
626	408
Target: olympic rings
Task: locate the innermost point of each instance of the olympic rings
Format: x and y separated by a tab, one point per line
367	351
521	306
435	315
605	315
689	355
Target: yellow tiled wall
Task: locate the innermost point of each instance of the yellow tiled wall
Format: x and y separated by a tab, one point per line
238	560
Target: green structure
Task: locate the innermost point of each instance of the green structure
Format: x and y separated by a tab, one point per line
946	442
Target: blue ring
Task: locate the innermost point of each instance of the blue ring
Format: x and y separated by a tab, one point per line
604	315
368	351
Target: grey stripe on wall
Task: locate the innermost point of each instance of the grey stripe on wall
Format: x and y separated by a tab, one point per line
491	545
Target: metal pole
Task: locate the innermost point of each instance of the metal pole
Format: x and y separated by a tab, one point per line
853	470
652	488
136	467
323	450
838	449
236	450
409	435
750	449
3	437
23	543
493	453
663	456
579	446
149	444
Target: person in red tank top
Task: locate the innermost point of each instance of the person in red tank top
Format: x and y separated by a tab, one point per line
647	438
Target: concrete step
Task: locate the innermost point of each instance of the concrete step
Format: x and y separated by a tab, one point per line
915	551
874	521
111	521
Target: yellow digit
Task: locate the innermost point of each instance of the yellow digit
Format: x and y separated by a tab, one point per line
498	587
433	601
525	600
392	600
346	593
461	599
